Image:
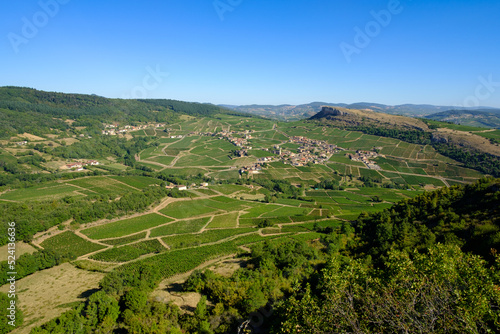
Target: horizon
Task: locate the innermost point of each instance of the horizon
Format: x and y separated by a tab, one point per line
273	105
244	53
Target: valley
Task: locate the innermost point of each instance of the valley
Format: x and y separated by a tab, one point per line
110	202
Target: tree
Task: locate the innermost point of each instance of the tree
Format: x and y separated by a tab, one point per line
135	300
442	291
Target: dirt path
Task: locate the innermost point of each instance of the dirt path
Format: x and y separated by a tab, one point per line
128	185
170	289
79	187
203	229
163	243
83	236
8	200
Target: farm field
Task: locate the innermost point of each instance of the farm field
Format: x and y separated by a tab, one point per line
180	227
68	242
49	191
125	227
139	182
184	241
129	252
224	221
102	185
21	248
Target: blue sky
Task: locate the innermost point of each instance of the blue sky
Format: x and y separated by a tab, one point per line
256	51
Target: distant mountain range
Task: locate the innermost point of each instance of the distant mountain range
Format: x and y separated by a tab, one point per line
489	118
475	116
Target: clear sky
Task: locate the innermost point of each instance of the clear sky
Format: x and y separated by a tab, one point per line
257	51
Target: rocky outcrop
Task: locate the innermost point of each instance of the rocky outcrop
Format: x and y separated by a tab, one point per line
327	112
436	138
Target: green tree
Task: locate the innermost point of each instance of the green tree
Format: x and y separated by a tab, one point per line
135	300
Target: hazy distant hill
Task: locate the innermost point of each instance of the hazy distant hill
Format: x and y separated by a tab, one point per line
481	118
294	112
285	111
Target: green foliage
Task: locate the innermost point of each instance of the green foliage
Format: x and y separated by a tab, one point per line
68	242
194	109
442	291
154	317
285	255
467	215
147	273
125	227
28	264
328	184
141	275
183	241
484	162
47	110
135	300
264	223
129	252
98	315
280	186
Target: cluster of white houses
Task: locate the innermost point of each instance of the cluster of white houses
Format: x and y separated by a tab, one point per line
115	129
250	170
78	166
183	187
310	151
364	157
237	138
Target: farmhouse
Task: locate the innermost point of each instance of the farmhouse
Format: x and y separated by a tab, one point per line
75	165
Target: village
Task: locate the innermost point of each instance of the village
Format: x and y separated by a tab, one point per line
364	157
115	129
310	151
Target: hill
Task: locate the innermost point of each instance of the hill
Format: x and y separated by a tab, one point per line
475	118
355	117
26	110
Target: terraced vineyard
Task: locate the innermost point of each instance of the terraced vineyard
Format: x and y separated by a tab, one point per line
223	210
219	218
